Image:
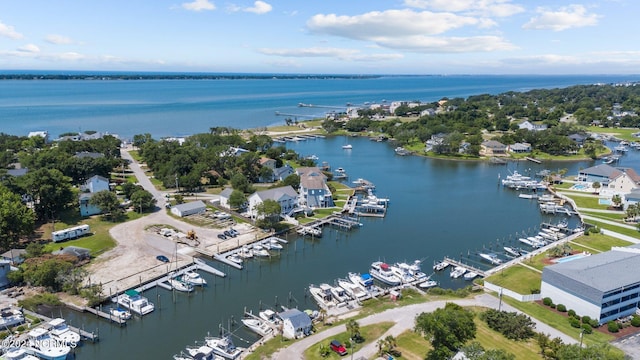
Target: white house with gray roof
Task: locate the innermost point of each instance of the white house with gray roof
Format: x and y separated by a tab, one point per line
295	324
190	208
603	286
286	196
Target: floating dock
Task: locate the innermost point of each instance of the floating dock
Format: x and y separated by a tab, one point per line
85	335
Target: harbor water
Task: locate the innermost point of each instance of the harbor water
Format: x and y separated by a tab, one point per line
438	208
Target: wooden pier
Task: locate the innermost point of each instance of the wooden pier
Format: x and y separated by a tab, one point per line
99	313
466	266
85	335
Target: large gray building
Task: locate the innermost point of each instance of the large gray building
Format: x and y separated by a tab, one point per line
604	286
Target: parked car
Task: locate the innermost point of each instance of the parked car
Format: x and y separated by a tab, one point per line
162	258
338	348
221	236
227	233
234	232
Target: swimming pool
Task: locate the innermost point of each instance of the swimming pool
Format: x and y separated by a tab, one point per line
569	258
582	187
604	201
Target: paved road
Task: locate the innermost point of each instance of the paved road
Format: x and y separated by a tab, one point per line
404	320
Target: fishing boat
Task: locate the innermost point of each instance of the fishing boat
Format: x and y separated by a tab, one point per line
362	279
492	258
258	326
134	302
440	266
269	316
59	330
260	251
223	346
323	296
511	251
402	272
428	284
354	290
457	272
235	258
199	351
179	285
193	278
340	295
120	313
17	353
43	346
347	147
382	272
470	275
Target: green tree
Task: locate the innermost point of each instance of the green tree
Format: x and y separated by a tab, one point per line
293	180
33	250
241	183
50	191
44	271
237	199
143	200
72	279
596	186
353	328
268	213
447	328
16	219
107	202
616	200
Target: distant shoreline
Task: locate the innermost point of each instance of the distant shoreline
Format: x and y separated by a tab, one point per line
164	76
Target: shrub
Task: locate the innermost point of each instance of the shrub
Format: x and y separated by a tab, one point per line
594	323
574	322
547	301
572	313
561	308
553	306
20	328
613	327
535	291
587	329
635	322
586	319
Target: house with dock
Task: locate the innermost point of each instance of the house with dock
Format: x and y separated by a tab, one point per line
314	191
493	148
285	196
295	324
603	286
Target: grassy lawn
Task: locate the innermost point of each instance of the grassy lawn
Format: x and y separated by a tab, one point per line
491	339
135	154
412	345
625	134
588	202
517	278
370	333
600	242
606	216
619	229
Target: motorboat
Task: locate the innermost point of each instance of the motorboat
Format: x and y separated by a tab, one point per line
323	296
354	290
457	272
199	351
362	279
440	266
512	251
223	346
492	258
339	294
347	146
260	251
470	275
401	151
235	258
273	243
193	278
259	326
245	252
270	316
120	313
134	302
59	330
382	272
428	284
43	346
180	285
415	270
401	271
17	353
10	317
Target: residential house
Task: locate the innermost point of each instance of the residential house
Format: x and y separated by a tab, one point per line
604	174
577	138
624	181
286	196
14	256
234	151
269	164
42	134
190	208
79	252
295	324
314	192
281	173
528	125
224	197
520	148
93	185
17	172
493	148
435	140
603	286
5	267
87	154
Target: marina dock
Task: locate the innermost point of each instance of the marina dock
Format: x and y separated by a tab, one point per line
453	262
99	313
85	335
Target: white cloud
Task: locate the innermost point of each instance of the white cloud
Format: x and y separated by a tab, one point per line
342	54
29	48
9	31
259	7
58	39
497	8
433	44
564	18
199	5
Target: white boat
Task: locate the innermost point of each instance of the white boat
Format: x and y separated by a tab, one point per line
382	272
180	285
401	271
470	275
42	345
364	280
120	313
492	258
199	351
428	284
354	290
322	295
59	330
193	278
258	326
348	146
273	244
259	250
17	353
339	294
134	302
235	258
440	266
270	316
10	317
457	272
511	251
223	346
245	252
401	151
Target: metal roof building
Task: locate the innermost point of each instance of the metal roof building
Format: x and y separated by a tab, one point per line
604	286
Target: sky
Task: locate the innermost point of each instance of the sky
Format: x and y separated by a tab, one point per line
323	36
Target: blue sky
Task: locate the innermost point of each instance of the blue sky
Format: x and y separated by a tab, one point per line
323	36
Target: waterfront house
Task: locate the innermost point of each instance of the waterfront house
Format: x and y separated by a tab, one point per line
190	208
613	180
492	148
224	197
295	324
269	164
314	192
282	172
520	148
528	125
577	138
234	151
286	196
603	286
42	134
93	185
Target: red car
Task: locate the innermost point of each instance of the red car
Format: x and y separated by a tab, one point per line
336	346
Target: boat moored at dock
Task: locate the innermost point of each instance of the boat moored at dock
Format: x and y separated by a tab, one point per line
382	272
134	302
59	330
44	346
492	258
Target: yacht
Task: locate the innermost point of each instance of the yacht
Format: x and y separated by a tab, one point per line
354	290
457	272
235	258
180	285
200	351
135	302
259	326
440	266
270	316
273	244
193	278
339	294
245	252
59	330
382	272
512	251
401	270
428	284
10	317
43	346
120	313
18	354
223	346
492	258
260	251
362	279
470	275
347	146
323	296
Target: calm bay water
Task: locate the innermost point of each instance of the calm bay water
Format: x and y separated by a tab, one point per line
438	208
184	107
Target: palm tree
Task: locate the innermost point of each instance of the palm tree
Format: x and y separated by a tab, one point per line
596	186
353	328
